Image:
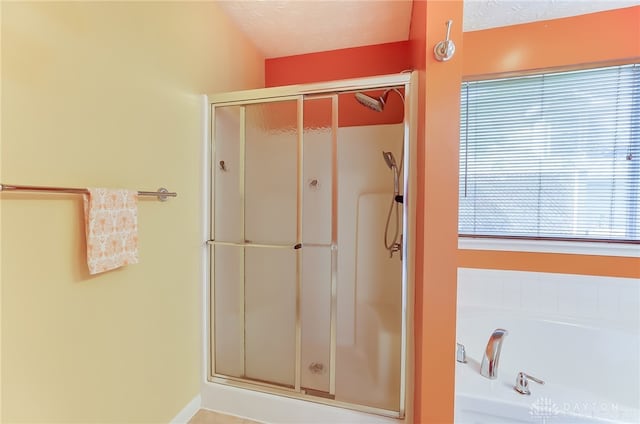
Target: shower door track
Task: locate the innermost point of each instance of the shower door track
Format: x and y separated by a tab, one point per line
329	89
260	386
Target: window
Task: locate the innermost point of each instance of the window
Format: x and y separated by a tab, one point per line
552	156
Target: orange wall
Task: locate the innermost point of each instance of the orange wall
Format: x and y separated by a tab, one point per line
568	42
437	209
551	262
366	61
580	41
418	40
379	59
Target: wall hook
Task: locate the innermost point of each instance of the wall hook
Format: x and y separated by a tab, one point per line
223	166
444	50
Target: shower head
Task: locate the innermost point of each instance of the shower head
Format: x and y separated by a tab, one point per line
391	163
389	159
372	103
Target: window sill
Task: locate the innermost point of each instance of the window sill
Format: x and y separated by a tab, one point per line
547	246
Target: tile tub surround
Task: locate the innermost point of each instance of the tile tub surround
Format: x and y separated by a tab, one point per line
580	334
602	301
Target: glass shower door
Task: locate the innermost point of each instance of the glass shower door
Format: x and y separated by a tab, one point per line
227	254
255	242
319	251
305	300
271	217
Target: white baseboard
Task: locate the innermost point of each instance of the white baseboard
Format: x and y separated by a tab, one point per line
188	411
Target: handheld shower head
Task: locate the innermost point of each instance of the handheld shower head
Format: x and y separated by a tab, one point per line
371	103
389	159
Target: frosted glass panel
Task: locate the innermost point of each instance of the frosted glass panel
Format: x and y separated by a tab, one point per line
318	137
271	172
229	311
316	315
227	190
270	299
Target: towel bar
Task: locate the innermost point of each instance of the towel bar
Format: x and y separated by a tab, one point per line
162	193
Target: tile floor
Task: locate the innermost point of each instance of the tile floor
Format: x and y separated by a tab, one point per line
209	417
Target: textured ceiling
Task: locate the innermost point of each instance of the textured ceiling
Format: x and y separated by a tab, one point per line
284	28
288	27
483	14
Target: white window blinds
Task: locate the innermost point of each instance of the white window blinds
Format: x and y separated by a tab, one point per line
552	156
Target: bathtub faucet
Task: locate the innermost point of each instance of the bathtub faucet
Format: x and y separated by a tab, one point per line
489	367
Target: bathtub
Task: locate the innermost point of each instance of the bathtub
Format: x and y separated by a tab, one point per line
591	372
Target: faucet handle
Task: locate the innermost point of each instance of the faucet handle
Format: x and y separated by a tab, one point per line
522	383
461	355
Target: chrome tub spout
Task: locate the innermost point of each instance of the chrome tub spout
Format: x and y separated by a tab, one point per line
489	367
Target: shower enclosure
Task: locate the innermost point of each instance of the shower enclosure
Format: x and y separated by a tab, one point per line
307	297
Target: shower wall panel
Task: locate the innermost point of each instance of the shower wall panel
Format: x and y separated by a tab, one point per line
370	283
361	170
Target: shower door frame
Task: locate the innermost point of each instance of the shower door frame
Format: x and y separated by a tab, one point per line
408	80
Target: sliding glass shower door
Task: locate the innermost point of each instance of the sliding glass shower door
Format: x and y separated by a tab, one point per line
256	242
305	299
319	252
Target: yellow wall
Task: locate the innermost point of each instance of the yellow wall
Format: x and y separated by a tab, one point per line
106	94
